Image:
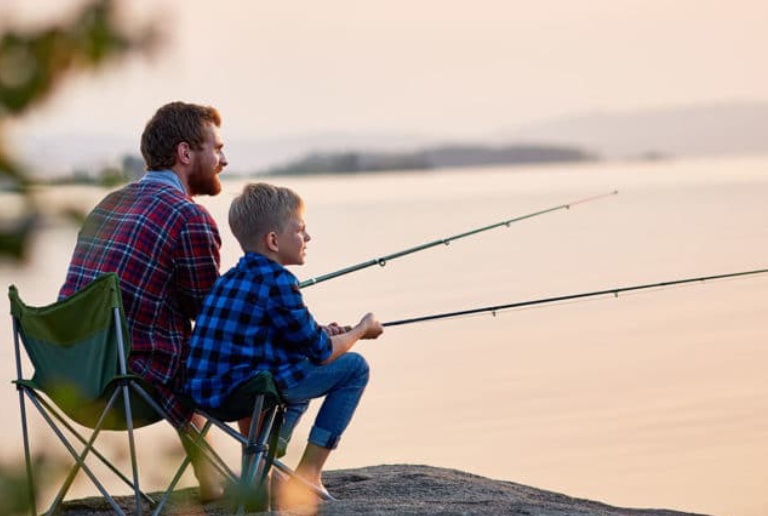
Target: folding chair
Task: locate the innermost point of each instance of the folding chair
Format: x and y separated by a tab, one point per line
79	349
258	398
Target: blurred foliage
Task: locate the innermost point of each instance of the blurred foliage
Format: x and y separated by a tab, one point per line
33	65
131	168
14	488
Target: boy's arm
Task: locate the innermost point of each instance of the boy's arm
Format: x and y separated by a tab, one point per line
334	329
292	321
368	328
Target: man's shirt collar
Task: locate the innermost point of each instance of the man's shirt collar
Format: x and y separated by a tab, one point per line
166	177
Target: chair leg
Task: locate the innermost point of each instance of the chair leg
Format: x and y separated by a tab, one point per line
88	446
216	460
253	450
78	458
185	463
27	458
96	452
199	442
80	461
132	445
127	402
221	466
258	462
253	433
22	407
256	474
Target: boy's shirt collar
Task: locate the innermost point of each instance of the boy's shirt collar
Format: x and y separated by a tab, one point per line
251	259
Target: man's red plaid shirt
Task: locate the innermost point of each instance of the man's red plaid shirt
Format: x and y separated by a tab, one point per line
165	249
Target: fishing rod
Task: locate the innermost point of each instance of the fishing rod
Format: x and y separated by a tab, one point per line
614	291
382	261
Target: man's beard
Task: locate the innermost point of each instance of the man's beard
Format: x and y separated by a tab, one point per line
202	183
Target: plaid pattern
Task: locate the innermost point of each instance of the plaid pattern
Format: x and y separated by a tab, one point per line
165	249
253	320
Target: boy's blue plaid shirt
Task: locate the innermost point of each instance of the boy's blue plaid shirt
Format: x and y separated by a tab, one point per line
253	320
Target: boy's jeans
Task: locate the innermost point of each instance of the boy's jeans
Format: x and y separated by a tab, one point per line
342	382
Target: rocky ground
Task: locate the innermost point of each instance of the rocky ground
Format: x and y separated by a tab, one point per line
407	490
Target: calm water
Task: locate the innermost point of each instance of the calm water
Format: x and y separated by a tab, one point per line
651	400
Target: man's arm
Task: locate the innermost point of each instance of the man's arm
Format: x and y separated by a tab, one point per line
196	262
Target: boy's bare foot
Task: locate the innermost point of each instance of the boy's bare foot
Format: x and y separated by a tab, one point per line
296	492
295	495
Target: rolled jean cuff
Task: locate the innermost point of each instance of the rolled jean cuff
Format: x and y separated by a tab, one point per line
323	438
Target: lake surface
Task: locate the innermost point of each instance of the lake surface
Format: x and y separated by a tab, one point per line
657	399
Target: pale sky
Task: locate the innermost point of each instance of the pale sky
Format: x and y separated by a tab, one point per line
437	67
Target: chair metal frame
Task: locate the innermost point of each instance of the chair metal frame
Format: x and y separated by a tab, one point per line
255	446
47	410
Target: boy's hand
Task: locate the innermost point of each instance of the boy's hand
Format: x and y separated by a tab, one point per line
334	329
372	328
344	337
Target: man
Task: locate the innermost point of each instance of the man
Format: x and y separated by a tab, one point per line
164	248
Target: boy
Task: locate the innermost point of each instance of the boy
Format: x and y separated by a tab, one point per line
255	320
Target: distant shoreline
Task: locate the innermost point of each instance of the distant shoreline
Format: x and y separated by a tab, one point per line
131	168
429	158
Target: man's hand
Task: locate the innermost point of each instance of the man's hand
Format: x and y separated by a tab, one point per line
372	328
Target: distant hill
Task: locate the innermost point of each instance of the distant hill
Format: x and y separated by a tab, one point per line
65	154
697	130
434	157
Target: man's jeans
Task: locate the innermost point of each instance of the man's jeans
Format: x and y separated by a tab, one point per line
342	382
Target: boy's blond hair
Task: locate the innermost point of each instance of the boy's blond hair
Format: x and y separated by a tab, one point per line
260	209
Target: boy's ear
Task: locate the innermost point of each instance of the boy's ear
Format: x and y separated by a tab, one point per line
270	240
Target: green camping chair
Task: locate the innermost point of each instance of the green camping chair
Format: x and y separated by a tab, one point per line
79	349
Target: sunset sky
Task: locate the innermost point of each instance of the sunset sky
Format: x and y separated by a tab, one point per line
437	67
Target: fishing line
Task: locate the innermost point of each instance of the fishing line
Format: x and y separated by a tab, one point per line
581	301
498	309
508	311
382	261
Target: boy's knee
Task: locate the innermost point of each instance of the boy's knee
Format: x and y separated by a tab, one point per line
359	365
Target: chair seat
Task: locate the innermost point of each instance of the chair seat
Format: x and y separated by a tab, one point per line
87	413
239	404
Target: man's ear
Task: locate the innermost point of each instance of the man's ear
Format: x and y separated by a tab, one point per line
270	240
183	153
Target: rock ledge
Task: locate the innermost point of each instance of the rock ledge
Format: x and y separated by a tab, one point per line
407	490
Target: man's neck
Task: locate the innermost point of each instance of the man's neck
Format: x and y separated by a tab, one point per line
183	176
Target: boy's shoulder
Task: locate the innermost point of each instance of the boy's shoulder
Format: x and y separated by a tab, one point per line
256	268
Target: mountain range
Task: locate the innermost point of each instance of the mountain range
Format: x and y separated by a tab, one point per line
696	130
